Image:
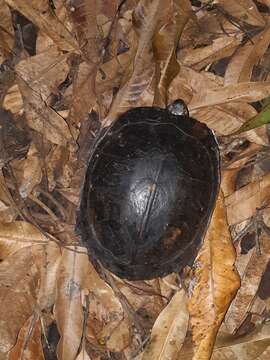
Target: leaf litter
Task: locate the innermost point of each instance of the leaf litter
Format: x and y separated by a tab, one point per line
67	69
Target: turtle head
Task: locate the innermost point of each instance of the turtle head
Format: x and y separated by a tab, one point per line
178	107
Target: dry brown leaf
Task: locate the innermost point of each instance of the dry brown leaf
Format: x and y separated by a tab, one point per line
251	268
18	235
107	323
85	16
144	299
111	73
165	42
248	346
244	10
6	31
216	283
28	172
246	92
237	62
84	94
7	211
18	284
39	77
225	118
220	48
140	74
83	355
39	12
169	330
28	345
241	66
242	204
68	306
43	118
44	72
47	260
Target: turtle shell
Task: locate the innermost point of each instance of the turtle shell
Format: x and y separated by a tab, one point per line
149	193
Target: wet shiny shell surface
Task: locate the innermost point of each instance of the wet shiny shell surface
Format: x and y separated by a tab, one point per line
149	192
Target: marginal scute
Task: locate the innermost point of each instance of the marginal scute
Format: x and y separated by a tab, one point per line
149	193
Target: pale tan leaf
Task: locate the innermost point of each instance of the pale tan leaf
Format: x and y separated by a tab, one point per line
241	66
13	100
242	204
84	93
225	118
28	172
244	10
236	63
247	92
68	306
169	330
265	355
251	346
189	83
47	260
38	11
40	76
83	355
28	345
44	72
220	48
18	283
43	118
216	282
7	211
251	268
17	235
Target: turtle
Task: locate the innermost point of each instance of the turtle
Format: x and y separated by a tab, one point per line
149	191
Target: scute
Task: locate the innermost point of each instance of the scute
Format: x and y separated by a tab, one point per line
149	192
